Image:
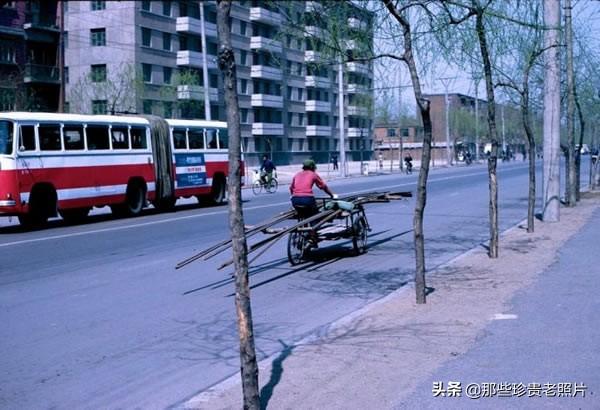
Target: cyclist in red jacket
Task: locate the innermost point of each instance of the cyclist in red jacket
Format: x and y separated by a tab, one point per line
301	189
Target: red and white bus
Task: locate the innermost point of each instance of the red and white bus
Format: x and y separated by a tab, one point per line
68	163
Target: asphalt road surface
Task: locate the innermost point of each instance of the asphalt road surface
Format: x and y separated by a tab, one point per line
96	316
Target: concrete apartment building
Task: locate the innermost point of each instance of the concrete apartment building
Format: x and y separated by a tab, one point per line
146	57
29	39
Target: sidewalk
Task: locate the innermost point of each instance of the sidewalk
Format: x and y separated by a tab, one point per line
521	318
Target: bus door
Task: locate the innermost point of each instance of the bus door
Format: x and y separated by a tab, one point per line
28	157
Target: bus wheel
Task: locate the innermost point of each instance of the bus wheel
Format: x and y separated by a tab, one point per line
136	199
218	192
74	215
42	204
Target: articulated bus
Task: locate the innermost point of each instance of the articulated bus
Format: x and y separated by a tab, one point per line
68	163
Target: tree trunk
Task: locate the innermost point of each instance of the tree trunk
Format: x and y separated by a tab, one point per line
249	367
551	168
421	200
571	173
493	159
578	153
531	150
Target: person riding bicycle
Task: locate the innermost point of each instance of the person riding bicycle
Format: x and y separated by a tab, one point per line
408	161
266	170
301	189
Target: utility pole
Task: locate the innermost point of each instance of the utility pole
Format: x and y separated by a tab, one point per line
401	149
341	117
446	81
61	57
477	79
551	166
207	114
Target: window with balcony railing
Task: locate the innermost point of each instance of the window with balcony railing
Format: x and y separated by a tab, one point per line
189	9
266	87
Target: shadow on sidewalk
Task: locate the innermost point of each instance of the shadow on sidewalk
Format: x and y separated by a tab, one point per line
276	371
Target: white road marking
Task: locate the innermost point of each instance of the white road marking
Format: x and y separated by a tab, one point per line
504	316
179	218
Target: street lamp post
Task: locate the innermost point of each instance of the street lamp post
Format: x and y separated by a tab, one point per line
446	82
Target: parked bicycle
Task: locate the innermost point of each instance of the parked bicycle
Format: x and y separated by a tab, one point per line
260	182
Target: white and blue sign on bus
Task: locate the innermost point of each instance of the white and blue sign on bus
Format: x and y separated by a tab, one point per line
190	170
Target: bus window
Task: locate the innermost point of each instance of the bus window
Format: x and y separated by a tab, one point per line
138	138
223	139
97	137
6	137
27	138
49	137
73	136
196	138
179	138
119	137
211	137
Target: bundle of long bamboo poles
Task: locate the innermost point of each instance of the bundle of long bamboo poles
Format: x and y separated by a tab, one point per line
314	221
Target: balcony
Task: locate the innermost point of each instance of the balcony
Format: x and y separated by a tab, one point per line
318	130
191	25
313	31
359	68
310	55
264	43
316	81
263	15
355	23
313	6
196	92
358	132
357	111
266	72
266	100
38	73
320	106
267	128
357	89
194	59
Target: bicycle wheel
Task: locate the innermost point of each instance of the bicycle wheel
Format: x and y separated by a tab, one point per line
296	249
256	187
272	186
360	238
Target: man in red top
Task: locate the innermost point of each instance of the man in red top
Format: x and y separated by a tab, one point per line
301	189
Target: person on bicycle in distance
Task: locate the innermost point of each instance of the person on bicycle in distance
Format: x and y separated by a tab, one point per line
266	170
301	189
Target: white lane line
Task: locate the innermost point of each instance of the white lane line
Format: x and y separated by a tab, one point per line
504	316
179	218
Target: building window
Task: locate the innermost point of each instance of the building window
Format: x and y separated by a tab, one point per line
301	119
66	39
7	52
243	57
146	37
98	73
66	75
166	8
213	80
146	5
168	109
98	106
98	37
167	41
167	75
147	106
244	113
66	107
391	132
243	25
98	5
300	94
243	86
147	73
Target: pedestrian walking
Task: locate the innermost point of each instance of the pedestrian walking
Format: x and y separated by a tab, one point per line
334	161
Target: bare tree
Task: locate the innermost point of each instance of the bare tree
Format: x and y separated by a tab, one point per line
249	366
120	89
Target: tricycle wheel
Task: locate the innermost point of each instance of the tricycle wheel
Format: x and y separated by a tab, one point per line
361	234
297	247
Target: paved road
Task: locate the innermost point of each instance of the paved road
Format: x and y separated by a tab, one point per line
96	316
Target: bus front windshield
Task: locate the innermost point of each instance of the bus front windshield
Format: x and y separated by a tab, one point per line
6	137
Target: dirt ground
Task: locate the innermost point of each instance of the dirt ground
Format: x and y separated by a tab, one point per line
378	355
